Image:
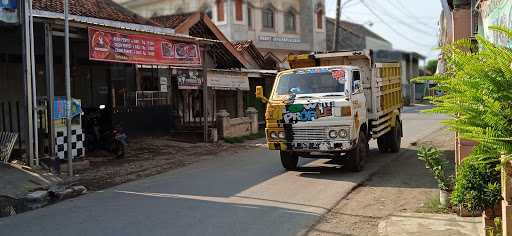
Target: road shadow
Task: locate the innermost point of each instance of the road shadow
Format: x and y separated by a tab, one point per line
403	170
116	213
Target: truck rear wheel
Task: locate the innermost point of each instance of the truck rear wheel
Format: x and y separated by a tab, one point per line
357	157
383	144
289	160
391	141
395	137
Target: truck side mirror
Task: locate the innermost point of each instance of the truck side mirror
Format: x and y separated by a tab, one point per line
260	95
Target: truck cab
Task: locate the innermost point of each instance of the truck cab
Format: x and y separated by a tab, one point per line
327	111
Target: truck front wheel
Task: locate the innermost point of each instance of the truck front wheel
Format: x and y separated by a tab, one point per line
357	157
289	160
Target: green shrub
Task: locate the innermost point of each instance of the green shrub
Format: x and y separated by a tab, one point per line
477	186
477	88
433	161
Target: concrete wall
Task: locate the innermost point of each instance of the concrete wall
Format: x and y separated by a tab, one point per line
237	127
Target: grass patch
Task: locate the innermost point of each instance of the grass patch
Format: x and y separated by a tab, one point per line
242	139
432	205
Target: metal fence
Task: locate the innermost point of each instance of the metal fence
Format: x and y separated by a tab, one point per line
10	118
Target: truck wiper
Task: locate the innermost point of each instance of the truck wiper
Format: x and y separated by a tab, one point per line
305	97
332	95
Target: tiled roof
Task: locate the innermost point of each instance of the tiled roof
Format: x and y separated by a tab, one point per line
102	9
357	29
172	21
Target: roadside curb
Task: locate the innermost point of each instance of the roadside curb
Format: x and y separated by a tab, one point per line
10	206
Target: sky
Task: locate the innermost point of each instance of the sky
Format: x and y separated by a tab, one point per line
410	25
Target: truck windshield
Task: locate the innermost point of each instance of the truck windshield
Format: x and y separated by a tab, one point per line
312	81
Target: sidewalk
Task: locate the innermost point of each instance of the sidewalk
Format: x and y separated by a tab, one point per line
388	203
17	181
407	224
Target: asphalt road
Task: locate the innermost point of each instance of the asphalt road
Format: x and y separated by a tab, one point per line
245	193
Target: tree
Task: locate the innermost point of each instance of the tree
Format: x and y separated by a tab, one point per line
431	66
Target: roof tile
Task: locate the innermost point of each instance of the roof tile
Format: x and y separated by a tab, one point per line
102	9
172	21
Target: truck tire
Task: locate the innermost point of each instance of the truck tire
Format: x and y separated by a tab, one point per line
395	137
357	156
391	141
289	160
383	144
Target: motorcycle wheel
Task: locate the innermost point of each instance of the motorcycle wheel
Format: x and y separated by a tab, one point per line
118	149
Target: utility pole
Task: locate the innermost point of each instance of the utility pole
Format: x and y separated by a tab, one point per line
337	31
68	88
24	8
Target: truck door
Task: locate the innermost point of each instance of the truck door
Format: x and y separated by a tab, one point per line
358	100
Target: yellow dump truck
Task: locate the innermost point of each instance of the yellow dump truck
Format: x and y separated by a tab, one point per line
330	105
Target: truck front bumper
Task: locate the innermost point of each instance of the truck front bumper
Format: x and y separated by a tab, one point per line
322	146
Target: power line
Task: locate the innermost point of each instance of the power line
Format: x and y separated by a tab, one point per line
408	12
399	20
393	29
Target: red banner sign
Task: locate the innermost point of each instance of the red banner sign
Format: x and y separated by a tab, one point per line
108	45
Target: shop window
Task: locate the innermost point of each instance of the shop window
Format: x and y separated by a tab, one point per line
220	10
249	17
290	21
239	10
267	14
320	18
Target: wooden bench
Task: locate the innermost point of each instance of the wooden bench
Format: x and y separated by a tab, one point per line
7	141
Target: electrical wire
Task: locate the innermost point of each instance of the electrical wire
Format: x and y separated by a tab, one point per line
401	21
393	29
409	13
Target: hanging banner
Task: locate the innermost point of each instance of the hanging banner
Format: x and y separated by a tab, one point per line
8	4
109	45
8	11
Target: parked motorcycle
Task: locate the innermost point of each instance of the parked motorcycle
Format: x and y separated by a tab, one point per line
101	134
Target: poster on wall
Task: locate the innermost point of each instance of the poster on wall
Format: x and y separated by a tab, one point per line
189	79
114	46
60	108
500	14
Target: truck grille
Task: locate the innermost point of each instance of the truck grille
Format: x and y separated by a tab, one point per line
309	134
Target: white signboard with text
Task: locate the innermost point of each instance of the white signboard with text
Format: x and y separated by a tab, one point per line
228	81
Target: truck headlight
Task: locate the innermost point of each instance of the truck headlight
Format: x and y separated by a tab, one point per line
343	133
333	134
281	135
273	135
